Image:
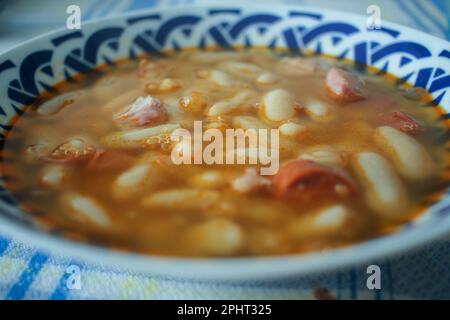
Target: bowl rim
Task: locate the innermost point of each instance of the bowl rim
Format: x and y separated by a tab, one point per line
234	268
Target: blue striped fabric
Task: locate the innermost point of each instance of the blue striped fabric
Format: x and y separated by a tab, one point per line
27	277
27	273
3	245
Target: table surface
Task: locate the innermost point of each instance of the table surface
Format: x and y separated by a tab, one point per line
26	272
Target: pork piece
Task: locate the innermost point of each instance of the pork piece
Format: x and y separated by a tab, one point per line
143	111
344	86
307	180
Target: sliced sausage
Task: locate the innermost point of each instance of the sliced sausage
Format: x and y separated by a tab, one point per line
306	178
402	122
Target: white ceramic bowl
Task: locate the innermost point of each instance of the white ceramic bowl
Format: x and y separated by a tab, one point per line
26	71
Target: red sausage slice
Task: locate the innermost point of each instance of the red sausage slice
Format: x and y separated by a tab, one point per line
402	122
344	86
307	179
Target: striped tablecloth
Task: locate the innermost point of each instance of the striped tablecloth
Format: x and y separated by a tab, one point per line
28	273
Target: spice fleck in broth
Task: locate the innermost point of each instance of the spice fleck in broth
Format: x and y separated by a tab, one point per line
358	156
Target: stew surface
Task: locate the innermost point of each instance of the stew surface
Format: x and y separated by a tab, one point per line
359	156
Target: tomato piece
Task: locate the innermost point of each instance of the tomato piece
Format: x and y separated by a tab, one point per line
402	122
306	179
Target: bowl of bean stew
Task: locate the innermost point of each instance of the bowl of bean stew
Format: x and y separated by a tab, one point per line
236	142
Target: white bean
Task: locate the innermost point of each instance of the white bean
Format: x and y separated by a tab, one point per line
325	155
221	107
410	158
210	179
249	122
167	85
325	222
57	103
318	111
215	237
54	176
267	78
219	77
134	176
331	218
291	129
184	199
384	192
86	208
135	181
278	105
250	182
138	138
228	106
